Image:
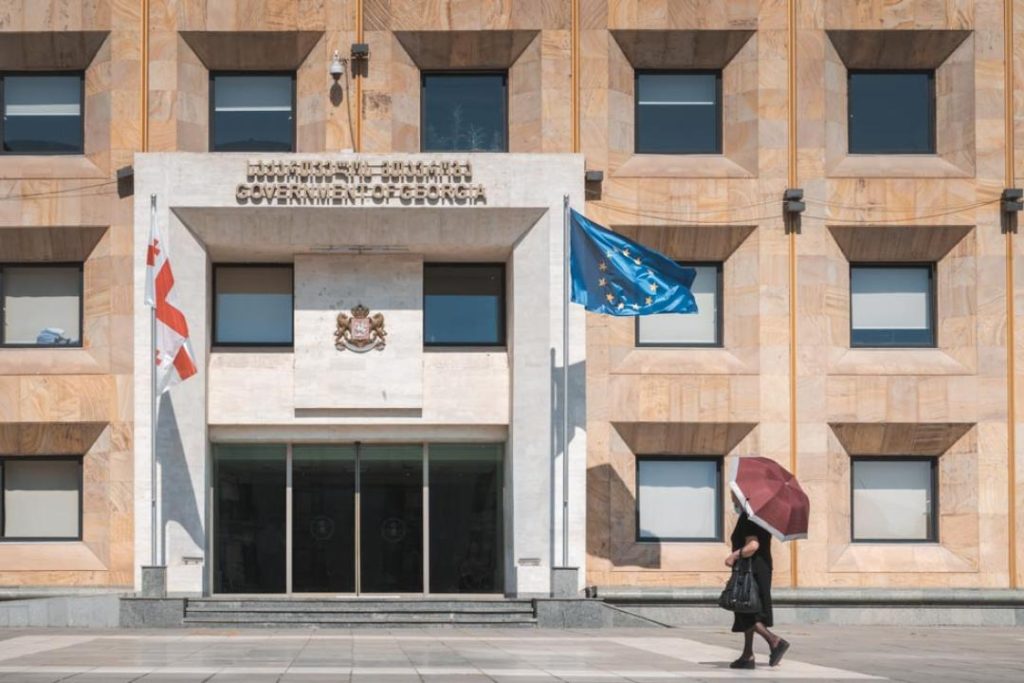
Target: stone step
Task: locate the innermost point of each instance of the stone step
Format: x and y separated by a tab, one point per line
300	615
404	606
212	623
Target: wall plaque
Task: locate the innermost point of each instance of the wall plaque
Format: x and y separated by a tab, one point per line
361	331
355	183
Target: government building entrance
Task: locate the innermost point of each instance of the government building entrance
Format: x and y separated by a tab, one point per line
377	408
358	518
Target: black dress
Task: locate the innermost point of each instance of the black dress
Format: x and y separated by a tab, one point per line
762	567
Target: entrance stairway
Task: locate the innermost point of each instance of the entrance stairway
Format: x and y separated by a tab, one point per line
358	612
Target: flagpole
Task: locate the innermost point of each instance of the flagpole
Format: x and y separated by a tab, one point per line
154	545
565	381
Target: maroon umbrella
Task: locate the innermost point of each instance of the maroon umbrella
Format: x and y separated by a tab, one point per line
771	496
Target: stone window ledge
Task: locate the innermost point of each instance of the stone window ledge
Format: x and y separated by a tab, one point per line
680	166
898	362
47	360
680	360
43	556
51	167
910	558
896	166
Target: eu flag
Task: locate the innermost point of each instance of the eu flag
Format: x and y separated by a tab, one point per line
616	276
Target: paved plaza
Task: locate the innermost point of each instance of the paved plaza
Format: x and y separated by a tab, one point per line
465	656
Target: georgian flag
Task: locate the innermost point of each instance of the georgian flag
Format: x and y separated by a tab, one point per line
174	359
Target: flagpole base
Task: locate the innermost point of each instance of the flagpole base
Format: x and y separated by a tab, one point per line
565	582
154	582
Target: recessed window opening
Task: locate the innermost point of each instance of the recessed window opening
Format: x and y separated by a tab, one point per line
678	112
252	112
703	328
678	499
253	305
41	498
892	305
894	499
891	112
464	111
464	304
41	305
42	113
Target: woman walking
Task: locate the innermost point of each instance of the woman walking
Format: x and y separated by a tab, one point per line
750	540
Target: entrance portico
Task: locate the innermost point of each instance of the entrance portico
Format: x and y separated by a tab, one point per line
334	470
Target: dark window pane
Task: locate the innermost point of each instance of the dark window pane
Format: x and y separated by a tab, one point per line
891	306
249	519
253	113
465	518
464	113
42	305
892	112
323	519
43	113
464	304
253	304
678	113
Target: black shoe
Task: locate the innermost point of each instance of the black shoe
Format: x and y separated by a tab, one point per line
742	663
778	652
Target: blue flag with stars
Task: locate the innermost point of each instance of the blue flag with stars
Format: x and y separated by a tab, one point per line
614	275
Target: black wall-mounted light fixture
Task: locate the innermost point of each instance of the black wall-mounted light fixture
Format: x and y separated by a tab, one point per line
793	201
360	50
593	176
1012	200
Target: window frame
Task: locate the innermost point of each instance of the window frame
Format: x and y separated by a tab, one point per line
933	519
215	343
719	498
424	73
932	104
4	459
933	302
3	107
719	109
4	265
502	319
212	110
719	322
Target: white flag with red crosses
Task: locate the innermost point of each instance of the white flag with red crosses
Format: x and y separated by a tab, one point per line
174	359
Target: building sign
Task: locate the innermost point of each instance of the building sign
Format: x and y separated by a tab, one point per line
358	182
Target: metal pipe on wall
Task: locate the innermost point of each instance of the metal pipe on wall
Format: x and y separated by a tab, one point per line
1011	409
793	180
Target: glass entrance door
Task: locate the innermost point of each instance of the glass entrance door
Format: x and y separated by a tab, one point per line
357	518
391	519
323	519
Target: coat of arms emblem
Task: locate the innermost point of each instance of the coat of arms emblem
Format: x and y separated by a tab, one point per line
360	332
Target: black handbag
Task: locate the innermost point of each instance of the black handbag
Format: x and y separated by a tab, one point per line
742	594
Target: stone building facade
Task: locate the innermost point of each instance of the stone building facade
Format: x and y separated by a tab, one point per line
783	376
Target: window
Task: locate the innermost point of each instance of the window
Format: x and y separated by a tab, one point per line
894	499
464	304
892	305
464	112
252	305
679	499
42	498
891	112
252	112
703	328
678	112
43	113
41	305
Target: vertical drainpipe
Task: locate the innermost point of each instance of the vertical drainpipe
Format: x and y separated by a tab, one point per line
792	180
574	30
144	114
357	79
1011	417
